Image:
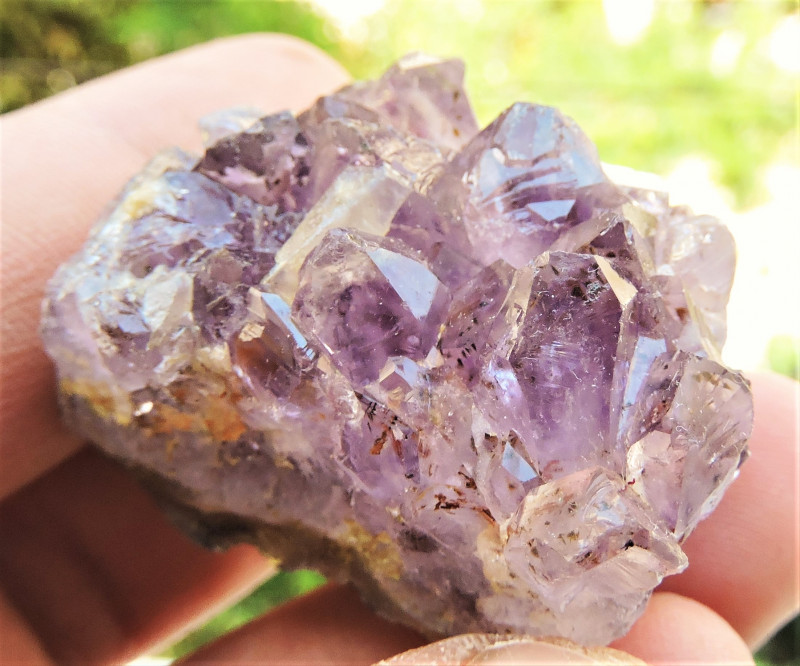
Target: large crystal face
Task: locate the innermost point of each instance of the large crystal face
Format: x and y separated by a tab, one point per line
462	368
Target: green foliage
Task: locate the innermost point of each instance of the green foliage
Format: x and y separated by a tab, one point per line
153	27
783	649
279	588
47	46
783	355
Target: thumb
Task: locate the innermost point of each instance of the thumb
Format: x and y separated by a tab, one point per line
491	650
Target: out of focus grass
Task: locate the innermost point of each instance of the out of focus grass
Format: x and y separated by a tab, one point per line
281	587
783	355
700	80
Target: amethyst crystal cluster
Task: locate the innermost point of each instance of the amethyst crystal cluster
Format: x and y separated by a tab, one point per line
461	368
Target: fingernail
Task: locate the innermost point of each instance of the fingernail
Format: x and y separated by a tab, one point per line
529	652
489	650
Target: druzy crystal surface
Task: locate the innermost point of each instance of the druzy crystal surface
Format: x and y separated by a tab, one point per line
462	368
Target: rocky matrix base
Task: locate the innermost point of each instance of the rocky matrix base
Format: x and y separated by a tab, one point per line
461	368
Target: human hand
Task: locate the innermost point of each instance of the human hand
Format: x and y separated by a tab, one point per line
90	571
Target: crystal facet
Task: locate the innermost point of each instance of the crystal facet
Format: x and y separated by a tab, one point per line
461	368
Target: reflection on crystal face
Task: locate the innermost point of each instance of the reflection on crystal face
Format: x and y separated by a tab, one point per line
412	281
365	301
516	465
519	179
461	367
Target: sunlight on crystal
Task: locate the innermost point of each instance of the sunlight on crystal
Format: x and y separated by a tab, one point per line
628	20
417	293
726	51
646	351
144	408
784	44
516	465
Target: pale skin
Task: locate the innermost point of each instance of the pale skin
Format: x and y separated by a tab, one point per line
90	571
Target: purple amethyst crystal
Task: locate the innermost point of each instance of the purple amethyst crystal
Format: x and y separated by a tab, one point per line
461	368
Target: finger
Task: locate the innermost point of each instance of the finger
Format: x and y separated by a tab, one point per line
97	573
497	650
744	561
63	160
18	644
675	630
328	626
331	626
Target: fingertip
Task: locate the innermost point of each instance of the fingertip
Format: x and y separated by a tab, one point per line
19	645
299	51
509	650
676	630
271	71
331	625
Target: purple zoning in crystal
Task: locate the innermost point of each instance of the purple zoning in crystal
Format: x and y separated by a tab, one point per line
462	368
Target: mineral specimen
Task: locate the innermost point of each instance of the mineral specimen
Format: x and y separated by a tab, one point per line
462	368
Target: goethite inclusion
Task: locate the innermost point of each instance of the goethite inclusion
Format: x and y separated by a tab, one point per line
461	368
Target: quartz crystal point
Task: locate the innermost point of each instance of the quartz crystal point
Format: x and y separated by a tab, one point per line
461	368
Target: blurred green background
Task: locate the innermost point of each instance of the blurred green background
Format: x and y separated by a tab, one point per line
703	93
